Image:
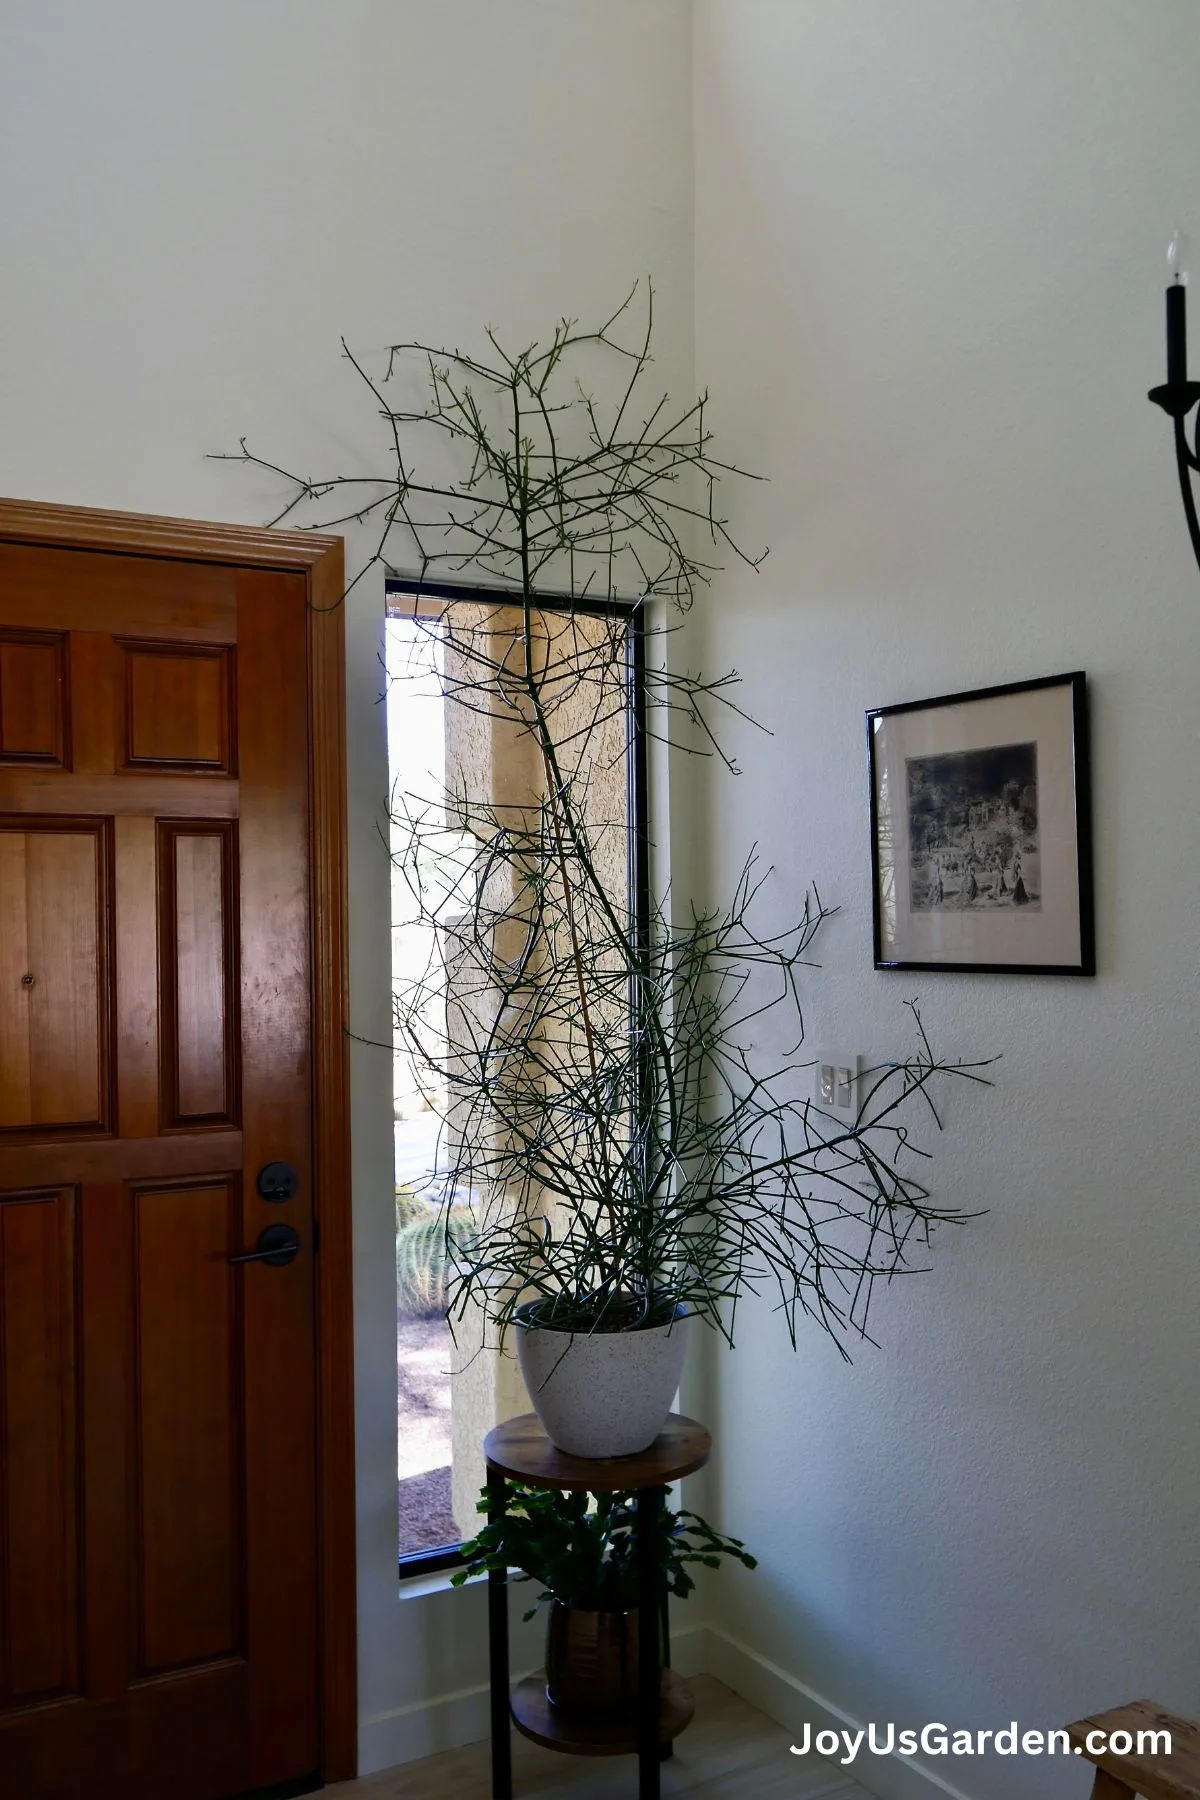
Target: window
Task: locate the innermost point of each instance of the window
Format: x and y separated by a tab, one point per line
454	734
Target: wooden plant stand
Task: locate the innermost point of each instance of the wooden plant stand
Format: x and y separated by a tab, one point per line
521	1451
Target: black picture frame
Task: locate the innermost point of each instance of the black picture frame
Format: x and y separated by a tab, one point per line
981	831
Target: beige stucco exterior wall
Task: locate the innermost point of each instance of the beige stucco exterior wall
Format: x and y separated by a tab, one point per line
496	760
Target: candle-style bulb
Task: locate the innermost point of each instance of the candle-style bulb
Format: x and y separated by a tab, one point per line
1177	313
1177	259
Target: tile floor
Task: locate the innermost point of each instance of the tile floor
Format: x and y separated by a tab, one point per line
729	1752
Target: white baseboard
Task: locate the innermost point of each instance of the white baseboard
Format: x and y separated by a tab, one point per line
791	1703
427	1726
407	1733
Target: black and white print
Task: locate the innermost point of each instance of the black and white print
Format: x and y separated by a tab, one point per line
973	830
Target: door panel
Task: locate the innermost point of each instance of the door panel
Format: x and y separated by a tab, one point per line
158	1545
197	907
39	1546
178	707
54	1016
32	696
188	1425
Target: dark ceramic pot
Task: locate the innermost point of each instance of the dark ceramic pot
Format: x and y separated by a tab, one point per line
591	1660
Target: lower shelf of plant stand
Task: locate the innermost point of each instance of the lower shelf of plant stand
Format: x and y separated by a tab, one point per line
602	1734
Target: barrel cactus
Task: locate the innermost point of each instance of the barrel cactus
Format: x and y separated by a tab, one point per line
421	1261
409	1206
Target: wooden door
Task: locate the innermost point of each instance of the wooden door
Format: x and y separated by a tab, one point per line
160	1581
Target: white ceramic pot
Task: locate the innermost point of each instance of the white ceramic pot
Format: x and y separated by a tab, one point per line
604	1393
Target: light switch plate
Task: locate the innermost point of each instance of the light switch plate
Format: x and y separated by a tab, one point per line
837	1075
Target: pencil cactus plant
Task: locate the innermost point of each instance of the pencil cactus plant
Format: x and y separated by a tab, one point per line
627	1097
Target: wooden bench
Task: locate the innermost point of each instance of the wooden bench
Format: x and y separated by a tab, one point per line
1153	1775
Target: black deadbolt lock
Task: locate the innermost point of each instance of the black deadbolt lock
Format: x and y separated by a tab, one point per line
277	1181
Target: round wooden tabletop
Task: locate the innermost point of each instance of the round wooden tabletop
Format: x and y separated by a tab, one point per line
521	1450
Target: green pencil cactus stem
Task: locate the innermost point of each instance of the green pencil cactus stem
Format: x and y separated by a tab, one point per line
627	1103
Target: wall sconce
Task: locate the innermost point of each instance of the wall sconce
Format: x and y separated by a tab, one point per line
1178	395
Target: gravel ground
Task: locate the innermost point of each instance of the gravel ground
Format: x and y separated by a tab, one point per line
423	1503
424	1450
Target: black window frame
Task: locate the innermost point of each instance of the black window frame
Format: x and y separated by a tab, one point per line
633	612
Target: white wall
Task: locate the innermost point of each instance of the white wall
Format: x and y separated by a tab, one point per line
928	304
195	201
929	243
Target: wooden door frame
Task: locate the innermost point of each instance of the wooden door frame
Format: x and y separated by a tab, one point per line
320	560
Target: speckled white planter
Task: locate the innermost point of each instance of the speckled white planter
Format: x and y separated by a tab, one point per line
603	1394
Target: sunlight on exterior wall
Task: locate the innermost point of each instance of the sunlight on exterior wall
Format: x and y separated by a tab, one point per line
439	746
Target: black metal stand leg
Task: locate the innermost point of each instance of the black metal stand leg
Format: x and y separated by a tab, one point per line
668	1749
649	1673
498	1650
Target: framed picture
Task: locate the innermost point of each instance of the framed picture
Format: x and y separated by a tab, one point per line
981	831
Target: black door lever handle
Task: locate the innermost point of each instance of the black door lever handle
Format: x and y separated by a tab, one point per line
277	1245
